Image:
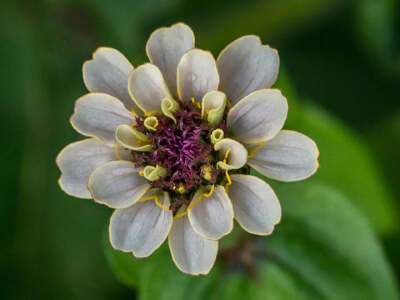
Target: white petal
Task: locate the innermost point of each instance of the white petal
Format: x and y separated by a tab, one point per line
78	160
289	156
117	184
256	206
191	253
197	75
245	65
258	117
212	217
142	227
165	48
99	115
237	155
147	87
108	73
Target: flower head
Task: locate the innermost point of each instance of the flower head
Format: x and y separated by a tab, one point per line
171	143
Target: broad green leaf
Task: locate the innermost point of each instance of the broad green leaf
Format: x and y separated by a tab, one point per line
347	164
272	282
282	284
323	249
326	242
125	267
156	277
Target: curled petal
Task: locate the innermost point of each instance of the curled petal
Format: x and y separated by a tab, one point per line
117	184
197	74
233	154
258	117
165	48
290	156
152	173
131	138
142	227
147	87
212	217
169	107
213	107
78	160
99	115
108	73
216	135
255	204
151	123
191	253
245	65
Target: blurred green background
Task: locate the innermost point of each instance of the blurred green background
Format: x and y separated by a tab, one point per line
340	70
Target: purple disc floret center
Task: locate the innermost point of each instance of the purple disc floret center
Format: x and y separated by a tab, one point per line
181	147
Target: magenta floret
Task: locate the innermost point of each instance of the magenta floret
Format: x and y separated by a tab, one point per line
182	148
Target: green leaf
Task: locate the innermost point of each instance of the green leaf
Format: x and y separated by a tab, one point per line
272	283
281	284
346	163
325	241
156	277
323	249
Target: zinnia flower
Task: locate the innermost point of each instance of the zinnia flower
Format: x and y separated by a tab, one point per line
170	140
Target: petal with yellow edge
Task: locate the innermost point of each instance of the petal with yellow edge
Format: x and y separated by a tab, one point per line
255	204
258	117
107	72
99	115
147	88
197	74
78	160
117	184
165	48
212	216
142	227
191	253
290	156
245	65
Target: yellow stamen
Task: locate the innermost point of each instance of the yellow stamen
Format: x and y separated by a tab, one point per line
116	151
229	181
194	202
195	103
206	172
133	125
141	173
228	103
133	112
180	189
226	155
155	198
251	154
226	171
152	112
181	214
